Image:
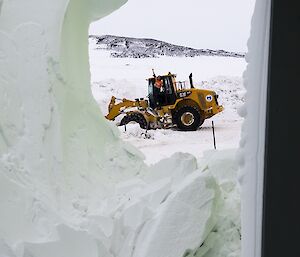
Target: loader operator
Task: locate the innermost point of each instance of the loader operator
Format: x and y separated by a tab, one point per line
159	83
161	97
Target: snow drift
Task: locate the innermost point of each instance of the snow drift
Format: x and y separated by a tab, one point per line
68	185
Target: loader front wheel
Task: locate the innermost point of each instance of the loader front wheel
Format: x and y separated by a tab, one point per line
134	117
187	118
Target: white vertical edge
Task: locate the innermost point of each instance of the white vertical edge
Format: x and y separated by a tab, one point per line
252	146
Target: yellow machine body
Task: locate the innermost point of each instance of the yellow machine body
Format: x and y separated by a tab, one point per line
178	105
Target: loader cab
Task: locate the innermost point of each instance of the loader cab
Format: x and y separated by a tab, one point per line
163	96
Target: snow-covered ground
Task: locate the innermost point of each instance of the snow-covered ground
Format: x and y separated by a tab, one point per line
126	77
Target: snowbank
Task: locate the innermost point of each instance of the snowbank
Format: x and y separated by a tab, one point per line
174	206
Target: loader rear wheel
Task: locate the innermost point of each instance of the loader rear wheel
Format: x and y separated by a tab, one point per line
187	118
134	117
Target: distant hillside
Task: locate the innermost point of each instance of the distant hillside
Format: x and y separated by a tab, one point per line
122	47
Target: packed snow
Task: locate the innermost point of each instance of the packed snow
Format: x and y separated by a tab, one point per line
72	184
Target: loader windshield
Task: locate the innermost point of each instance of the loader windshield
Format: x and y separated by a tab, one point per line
151	93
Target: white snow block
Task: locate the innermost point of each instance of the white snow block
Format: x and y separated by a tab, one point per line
223	166
71	243
140	207
183	221
176	167
129	186
155	193
22	215
105	224
128	245
100	228
5	250
135	214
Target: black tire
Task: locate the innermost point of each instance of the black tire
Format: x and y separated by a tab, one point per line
187	118
135	117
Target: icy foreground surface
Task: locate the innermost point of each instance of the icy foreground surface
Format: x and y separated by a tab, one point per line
176	206
68	186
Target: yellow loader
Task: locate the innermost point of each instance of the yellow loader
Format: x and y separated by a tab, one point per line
169	104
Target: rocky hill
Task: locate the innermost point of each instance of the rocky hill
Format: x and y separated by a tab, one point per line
121	47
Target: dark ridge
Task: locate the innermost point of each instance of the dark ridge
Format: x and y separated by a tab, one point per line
128	47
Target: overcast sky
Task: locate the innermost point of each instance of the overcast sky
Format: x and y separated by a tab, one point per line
214	24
